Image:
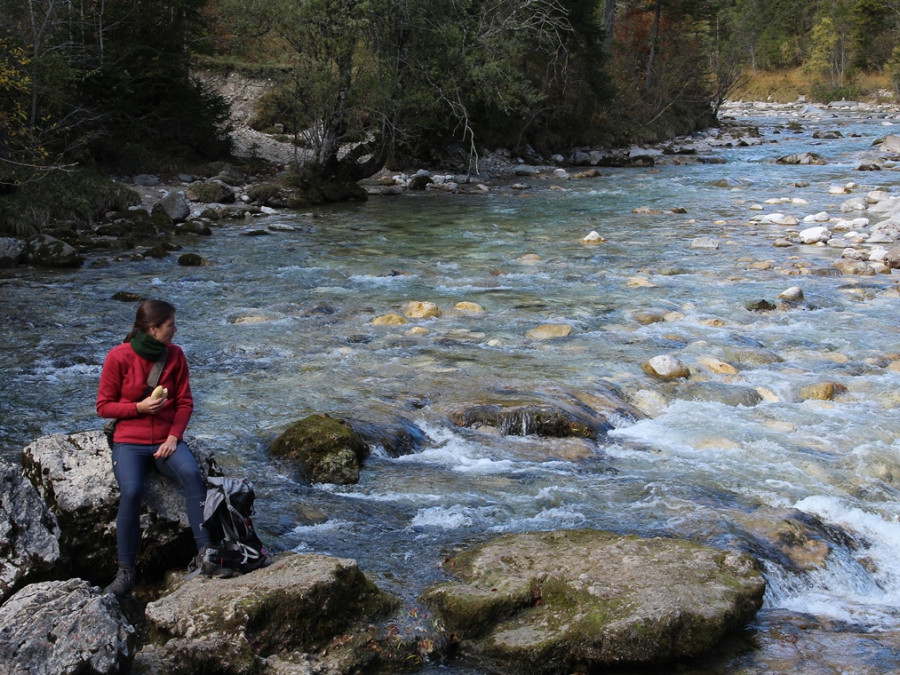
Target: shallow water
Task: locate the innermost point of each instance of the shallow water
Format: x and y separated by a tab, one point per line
698	469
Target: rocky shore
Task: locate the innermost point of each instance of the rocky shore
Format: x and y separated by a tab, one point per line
541	602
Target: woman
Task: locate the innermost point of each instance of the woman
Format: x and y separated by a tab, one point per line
149	430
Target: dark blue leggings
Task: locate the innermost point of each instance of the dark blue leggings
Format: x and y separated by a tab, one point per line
130	464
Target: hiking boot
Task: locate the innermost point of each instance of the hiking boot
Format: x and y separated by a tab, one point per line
209	562
122	585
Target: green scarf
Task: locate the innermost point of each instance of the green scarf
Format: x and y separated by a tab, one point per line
147	347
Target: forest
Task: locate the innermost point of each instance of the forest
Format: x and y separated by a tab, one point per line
96	87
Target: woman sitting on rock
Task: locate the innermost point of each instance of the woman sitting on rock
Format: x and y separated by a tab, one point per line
150	430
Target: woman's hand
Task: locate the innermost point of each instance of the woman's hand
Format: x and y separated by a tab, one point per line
150	406
167	448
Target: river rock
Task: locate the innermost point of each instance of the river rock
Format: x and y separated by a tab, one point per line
64	628
300	604
397	436
891	143
29	533
391	319
592	237
175	205
10	252
802	158
814	235
466	306
211	191
73	474
892	258
534	419
717	365
857	267
821	391
47	251
666	367
720	392
549	331
586	600
705	242
325	449
421	310
793	294
798	541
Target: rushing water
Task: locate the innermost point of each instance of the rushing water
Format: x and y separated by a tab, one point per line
720	474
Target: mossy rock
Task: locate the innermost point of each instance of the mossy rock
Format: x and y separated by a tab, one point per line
326	450
198	227
588	600
212	191
115	229
190	260
158	251
267	194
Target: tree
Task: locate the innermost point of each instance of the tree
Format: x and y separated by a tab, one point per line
373	79
108	80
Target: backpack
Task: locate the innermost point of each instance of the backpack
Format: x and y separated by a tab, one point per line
226	515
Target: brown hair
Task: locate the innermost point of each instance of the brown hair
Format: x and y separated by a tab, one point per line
150	313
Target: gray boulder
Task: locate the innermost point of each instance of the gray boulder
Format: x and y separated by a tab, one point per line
62	627
29	533
299	604
587	600
10	252
46	251
73	474
175	205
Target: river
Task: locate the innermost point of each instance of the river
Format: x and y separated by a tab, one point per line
278	327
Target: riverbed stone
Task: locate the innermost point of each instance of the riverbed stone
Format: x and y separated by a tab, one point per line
391	319
29	533
854	267
324	449
549	331
821	391
717	365
720	392
300	604
802	158
585	600
814	235
64	628
467	306
532	419
793	294
73	474
45	250
421	310
666	367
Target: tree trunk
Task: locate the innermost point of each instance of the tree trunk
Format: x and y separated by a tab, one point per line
654	39
609	24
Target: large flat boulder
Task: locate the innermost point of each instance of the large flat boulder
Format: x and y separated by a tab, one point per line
584	600
298	605
73	474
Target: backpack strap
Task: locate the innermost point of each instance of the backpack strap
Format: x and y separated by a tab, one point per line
156	371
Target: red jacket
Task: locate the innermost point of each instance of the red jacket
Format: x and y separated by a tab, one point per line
123	383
